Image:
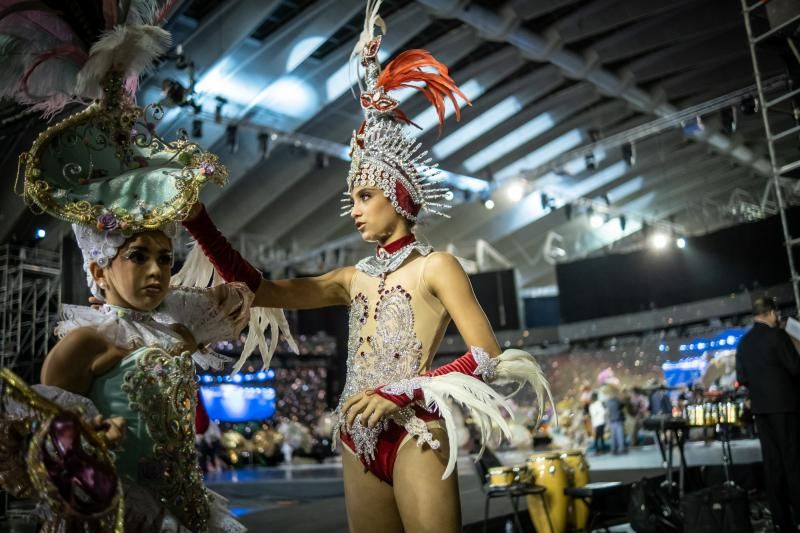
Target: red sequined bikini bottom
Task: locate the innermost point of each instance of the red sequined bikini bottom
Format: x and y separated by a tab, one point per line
388	445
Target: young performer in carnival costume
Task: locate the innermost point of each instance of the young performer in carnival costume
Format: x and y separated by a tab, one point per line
401	301
131	362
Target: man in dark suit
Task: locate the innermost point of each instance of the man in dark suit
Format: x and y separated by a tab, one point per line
768	364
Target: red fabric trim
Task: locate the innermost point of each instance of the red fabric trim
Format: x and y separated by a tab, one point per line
226	260
465	364
394	246
404	199
201	420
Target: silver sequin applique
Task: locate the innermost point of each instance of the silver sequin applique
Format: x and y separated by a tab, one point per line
394	354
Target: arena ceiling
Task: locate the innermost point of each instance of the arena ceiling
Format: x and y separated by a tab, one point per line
546	77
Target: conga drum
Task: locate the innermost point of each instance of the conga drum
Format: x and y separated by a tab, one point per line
521	474
501	476
578	474
547	470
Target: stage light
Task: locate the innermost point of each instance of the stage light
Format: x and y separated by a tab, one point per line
728	119
208	379
323	161
680	242
659	241
693	126
515	192
590	161
629	154
749	105
40	233
265	143
232	138
237	378
261	376
197	128
218	109
596	221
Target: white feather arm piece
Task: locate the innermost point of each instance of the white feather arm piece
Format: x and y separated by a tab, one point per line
520	367
483	402
197	271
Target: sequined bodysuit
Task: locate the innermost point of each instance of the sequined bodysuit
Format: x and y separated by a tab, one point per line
396	326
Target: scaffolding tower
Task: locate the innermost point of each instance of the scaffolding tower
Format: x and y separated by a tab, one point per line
771	22
30	298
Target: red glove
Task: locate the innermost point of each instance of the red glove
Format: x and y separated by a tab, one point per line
226	260
466	364
200	416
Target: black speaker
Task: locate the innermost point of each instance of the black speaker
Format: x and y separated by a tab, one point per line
719	509
497	294
650	510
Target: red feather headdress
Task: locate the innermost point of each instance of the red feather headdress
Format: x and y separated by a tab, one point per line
383	154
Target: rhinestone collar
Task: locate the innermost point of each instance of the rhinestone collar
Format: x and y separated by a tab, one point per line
384	261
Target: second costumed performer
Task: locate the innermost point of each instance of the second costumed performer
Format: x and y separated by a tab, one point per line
401	301
107	441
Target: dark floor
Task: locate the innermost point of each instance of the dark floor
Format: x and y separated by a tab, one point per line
310	498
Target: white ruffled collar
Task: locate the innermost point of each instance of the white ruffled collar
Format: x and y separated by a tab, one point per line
131	329
123	327
384	262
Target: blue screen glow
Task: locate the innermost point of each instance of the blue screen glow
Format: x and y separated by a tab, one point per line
238	403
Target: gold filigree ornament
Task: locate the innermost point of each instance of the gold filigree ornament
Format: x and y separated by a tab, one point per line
106	166
44	438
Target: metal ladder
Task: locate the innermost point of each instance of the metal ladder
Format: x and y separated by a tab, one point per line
768	109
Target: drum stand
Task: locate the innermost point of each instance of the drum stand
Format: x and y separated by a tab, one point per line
727	453
670	433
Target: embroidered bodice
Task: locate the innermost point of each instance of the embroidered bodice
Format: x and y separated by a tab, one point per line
396	326
154	389
155	392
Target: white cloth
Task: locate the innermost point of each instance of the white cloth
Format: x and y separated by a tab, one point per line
597	411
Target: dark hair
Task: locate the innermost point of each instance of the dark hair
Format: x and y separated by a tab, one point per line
765	305
594	396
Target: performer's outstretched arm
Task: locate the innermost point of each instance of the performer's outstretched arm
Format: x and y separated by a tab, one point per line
329	289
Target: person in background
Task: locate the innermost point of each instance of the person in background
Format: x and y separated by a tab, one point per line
638	410
767	363
616	420
585	399
660	403
597	411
